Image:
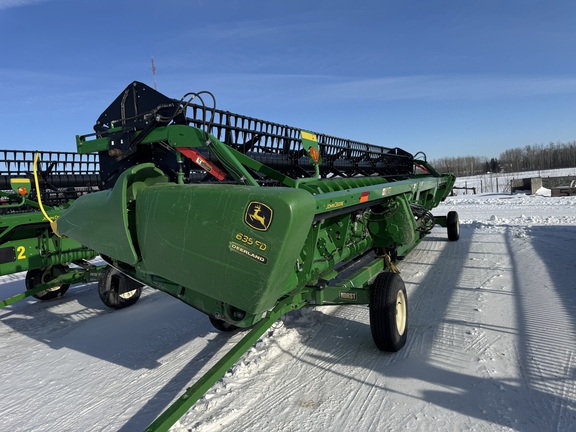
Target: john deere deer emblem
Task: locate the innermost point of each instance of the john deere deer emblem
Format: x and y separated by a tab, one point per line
258	216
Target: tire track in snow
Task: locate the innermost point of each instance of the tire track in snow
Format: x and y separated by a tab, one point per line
80	363
548	362
311	359
455	335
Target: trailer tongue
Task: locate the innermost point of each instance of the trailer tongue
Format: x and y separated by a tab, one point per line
246	220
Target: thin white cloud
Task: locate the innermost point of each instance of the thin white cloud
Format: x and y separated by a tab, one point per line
439	87
243	29
9	4
326	88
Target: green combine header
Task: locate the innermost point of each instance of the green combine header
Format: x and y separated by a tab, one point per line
246	220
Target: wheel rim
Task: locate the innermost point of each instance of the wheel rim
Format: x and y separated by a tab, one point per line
45	278
127	294
400	313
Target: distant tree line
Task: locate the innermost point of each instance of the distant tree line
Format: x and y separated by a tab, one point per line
529	158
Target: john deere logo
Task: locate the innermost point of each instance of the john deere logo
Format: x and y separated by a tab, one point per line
258	216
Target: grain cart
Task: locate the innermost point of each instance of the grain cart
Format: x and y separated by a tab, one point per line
246	220
27	243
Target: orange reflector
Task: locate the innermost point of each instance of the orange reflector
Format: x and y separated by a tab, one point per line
22	191
364	196
314	154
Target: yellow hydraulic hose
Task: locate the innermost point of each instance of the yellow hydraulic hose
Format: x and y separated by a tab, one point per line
52	221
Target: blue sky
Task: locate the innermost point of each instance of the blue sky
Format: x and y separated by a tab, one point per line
450	78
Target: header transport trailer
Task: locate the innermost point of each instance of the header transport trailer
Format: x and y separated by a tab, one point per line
246	220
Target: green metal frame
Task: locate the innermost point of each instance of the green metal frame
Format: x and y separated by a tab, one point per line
195	392
73	276
28	242
32	244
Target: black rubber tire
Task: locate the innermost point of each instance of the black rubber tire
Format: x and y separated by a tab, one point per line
389	312
453	226
117	290
222	325
36	277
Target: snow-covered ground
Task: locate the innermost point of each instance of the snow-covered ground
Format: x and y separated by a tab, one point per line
492	346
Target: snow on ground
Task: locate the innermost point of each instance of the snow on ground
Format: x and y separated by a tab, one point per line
492	346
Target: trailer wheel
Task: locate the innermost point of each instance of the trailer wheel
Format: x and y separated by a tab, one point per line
389	312
36	277
222	325
117	290
453	226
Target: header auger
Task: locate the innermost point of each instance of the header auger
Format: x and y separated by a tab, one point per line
246	220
